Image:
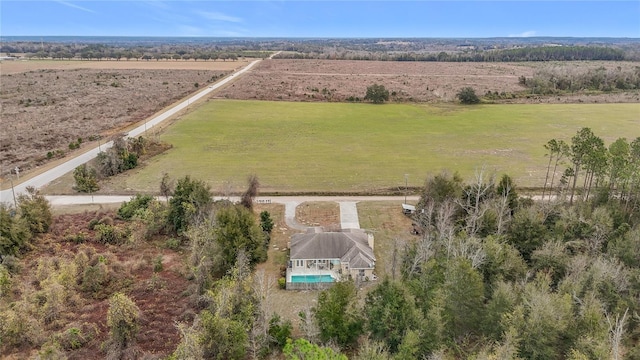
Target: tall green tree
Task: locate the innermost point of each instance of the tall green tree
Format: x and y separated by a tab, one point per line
464	304
236	230
337	314
35	210
14	232
191	198
581	149
558	150
390	312
85	178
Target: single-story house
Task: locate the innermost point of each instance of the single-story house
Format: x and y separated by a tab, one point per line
319	258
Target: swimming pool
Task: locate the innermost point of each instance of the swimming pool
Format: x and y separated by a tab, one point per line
312	279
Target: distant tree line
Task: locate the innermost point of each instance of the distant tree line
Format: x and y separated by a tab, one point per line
136	52
454	50
541	53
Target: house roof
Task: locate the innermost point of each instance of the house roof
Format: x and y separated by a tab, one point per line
352	247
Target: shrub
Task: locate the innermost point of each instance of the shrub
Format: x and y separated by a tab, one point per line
377	94
94	277
122	319
109	234
282	283
92	223
157	264
36	210
5	281
266	223
14	232
77	238
279	331
135	206
72	339
468	96
172	243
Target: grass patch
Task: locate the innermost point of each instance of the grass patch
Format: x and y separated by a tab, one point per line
338	147
388	225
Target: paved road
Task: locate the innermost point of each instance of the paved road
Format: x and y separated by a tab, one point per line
52	174
348	208
58	200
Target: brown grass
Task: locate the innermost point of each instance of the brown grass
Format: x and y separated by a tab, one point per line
389	227
43	111
337	80
14	67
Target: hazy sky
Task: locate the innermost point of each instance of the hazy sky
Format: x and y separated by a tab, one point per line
321	18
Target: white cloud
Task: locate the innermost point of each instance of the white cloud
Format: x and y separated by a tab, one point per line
75	6
529	33
218	16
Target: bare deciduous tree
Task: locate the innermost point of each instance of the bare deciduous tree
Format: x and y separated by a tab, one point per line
250	194
616	331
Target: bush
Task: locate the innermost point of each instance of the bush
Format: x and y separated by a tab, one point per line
468	96
14	232
377	94
5	281
282	283
94	278
279	331
122	319
139	203
109	234
266	223
172	243
36	210
157	264
77	238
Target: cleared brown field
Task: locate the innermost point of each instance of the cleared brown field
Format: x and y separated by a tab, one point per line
20	66
337	80
44	110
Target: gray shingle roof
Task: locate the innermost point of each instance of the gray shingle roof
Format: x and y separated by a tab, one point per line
351	247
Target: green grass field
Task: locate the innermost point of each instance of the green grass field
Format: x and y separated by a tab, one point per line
338	147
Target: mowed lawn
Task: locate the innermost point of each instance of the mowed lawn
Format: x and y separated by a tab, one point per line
339	147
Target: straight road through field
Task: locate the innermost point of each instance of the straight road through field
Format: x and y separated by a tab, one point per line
58	171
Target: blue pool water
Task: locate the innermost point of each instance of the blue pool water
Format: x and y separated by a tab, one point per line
311	279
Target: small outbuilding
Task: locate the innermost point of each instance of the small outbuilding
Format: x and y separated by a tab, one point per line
408	209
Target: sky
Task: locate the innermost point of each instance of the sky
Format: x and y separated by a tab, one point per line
321	19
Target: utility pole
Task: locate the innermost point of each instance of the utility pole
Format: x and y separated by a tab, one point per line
13	191
406	186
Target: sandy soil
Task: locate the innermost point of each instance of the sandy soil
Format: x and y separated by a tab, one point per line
337	80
